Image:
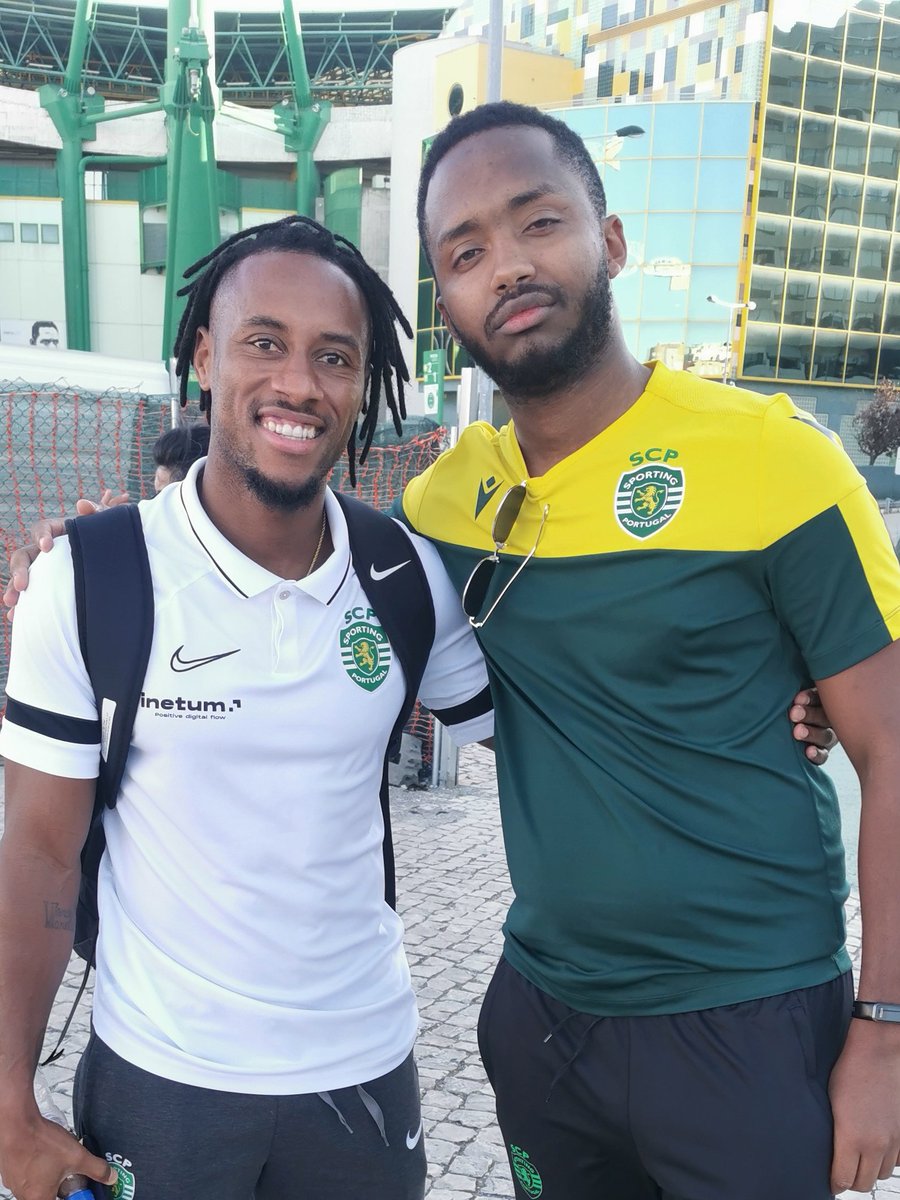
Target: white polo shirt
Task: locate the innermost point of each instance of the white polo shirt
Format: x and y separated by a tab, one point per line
245	943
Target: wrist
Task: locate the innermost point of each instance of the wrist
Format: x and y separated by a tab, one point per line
877	1011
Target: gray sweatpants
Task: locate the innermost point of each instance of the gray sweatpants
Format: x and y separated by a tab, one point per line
169	1139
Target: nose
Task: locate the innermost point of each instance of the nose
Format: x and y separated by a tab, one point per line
512	265
295	379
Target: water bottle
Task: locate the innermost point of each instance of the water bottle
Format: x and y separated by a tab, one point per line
73	1187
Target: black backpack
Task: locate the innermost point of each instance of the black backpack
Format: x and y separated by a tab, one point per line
114	606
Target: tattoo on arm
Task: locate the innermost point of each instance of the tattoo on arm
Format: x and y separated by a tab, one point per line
56	917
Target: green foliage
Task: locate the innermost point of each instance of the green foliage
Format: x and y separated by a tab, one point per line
877	426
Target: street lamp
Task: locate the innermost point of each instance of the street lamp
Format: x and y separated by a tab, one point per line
737	306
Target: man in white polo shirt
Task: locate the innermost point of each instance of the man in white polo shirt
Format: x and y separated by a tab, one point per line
253	1013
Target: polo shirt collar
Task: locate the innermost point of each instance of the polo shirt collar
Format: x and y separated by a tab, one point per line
247	577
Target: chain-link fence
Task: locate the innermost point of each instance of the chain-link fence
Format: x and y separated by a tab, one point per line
58	444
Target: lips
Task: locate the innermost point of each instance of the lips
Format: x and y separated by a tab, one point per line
528	302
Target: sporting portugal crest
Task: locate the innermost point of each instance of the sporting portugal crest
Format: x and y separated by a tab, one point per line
648	498
365	654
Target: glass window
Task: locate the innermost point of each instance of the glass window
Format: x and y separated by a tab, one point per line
806	248
846	201
717	238
50	234
862	41
840	251
785	80
7	231
660	300
721	131
874	253
713	332
878	208
770	244
791	39
722	184
710	281
827	43
821	88
887	103
28	232
672	184
884	154
889	361
895	262
630	329
627	189
811	197
795	354
627	291
861	354
658	337
669	236
857	89
780	138
829	355
850	148
760	352
868	301
676	130
816	142
889	59
767	293
892	311
800	297
834	304
776	188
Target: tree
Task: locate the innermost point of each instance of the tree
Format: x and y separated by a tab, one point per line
877	426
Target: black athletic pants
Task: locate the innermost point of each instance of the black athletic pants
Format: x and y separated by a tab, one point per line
729	1103
170	1141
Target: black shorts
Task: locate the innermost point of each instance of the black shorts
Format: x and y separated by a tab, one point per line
728	1103
169	1140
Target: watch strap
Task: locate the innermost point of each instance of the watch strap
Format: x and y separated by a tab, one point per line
877	1010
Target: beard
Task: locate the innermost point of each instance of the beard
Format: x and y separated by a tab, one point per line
281	497
542	370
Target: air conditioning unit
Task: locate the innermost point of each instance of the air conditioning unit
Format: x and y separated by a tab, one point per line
381	181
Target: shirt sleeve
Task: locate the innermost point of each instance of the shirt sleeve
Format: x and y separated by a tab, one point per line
831	569
455	682
51	720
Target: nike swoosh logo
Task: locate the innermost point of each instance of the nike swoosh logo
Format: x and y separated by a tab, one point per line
413	1140
484	495
177	663
376	575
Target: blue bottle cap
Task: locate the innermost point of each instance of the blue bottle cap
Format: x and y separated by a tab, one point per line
81	1194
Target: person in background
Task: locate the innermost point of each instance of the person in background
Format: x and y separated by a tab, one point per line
176	450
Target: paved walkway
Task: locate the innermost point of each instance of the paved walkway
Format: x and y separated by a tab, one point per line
453	894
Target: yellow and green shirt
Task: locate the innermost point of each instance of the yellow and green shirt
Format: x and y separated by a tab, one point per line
670	847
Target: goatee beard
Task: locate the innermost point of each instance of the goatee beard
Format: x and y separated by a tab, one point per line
541	371
281	497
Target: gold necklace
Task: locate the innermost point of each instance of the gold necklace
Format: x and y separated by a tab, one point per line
315	557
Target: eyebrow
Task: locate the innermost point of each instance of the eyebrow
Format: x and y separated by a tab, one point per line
520	200
327	335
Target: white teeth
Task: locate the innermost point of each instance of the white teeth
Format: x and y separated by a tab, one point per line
297	432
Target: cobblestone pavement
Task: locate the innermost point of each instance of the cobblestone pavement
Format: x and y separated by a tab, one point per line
453	894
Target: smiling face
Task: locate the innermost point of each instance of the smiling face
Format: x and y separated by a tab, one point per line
522	260
285	360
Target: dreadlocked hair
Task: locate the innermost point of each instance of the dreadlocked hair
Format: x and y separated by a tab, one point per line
302	235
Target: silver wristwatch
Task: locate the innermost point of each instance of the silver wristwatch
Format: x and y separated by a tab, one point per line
876	1010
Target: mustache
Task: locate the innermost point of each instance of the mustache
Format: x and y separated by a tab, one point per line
548	291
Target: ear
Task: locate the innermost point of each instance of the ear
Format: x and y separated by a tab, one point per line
447	319
203	358
616	246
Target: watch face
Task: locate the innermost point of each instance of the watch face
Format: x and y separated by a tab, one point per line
886	1012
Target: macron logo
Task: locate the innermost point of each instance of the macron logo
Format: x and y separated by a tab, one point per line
177	663
378	575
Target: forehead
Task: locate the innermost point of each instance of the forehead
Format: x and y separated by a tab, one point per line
485	170
293	287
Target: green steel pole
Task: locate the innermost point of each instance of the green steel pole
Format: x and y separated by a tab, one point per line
193	204
301	120
84	11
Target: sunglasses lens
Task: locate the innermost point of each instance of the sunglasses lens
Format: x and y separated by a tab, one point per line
507	511
477	587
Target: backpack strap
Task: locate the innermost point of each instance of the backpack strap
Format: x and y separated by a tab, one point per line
379	546
114	611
